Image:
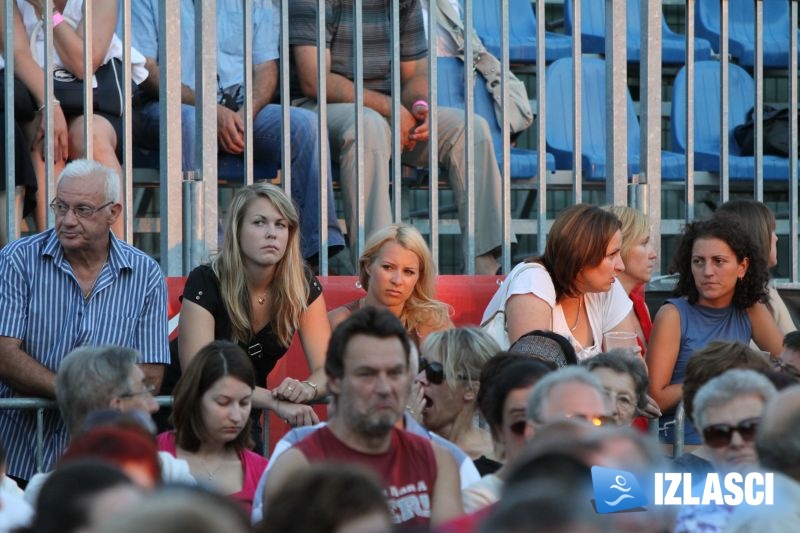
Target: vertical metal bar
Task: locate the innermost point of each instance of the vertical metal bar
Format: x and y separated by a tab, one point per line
358	79
322	133
541	129
468	233
793	200
206	108
505	134
758	73
49	119
577	107
247	47
127	136
170	149
650	100
689	191
724	145
433	134
397	148
616	103
40	439
286	102
88	93
680	430
8	79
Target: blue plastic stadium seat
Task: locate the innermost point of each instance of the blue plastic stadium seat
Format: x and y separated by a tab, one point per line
521	32
593	33
593	148
741	92
450	76
741	17
230	168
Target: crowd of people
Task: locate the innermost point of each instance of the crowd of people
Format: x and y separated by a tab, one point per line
429	425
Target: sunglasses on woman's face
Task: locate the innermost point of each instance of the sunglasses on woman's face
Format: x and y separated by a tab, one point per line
434	371
719	435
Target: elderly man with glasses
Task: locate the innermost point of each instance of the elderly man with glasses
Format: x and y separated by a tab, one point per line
73	285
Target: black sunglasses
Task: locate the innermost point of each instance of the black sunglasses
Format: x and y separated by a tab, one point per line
719	435
434	371
518	427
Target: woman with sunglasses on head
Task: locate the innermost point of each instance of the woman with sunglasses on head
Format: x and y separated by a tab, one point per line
257	293
398	273
505	384
572	289
721	286
759	222
728	411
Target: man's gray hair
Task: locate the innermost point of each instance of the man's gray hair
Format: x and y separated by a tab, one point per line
80	168
89	377
568	374
728	386
778	441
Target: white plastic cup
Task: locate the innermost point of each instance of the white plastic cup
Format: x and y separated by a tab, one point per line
624	340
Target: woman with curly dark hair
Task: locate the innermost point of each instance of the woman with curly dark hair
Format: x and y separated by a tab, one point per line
722	284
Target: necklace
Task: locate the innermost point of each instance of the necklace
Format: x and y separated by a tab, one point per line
210	473
262	299
578	316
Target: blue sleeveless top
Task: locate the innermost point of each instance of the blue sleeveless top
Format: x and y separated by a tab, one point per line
699	326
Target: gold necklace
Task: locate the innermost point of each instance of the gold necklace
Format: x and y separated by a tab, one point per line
262	299
578	316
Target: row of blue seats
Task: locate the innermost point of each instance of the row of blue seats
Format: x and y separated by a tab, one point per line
522	31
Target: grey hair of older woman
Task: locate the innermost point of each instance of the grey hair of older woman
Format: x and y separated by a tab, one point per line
728	386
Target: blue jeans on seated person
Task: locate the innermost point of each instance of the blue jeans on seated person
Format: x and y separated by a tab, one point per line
267	147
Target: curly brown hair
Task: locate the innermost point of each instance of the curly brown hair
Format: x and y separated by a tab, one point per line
749	290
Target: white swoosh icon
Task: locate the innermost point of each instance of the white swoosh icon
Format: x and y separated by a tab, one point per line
619	488
621	497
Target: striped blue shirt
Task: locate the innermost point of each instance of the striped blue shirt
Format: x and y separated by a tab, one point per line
44	307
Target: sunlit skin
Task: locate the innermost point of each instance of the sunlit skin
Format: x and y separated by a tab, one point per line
263	235
640	261
84	235
716	270
137	398
773	249
515	409
738	454
571	399
443	404
599	278
393	274
621	391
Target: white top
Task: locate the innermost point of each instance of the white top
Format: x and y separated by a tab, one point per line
73	12
14	511
604	309
482	493
445	45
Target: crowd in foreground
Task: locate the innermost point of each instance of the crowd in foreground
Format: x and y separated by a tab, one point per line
428	426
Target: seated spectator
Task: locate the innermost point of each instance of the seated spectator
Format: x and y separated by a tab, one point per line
267	136
789	361
68	57
211	414
547	346
181	510
722	282
82	496
624	378
728	411
639	256
759	222
505	384
99	290
367	366
398	273
572	289
257	293
345	499
449	373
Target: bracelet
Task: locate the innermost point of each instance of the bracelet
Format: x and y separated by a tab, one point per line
58	18
313	386
41	107
421	103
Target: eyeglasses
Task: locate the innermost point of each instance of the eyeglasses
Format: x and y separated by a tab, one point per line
60	209
786	368
434	371
595	420
719	435
518	427
148	389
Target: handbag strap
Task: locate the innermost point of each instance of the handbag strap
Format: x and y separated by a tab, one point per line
506	287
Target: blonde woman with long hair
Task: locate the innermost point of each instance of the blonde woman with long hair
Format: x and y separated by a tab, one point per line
397	271
257	292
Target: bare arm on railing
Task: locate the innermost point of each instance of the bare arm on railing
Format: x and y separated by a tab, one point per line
32	76
662	355
68	41
22	372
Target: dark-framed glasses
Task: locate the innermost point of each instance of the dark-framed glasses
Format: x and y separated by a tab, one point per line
434	371
148	389
719	435
594	420
60	209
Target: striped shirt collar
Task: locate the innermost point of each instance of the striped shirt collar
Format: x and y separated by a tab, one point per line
117	260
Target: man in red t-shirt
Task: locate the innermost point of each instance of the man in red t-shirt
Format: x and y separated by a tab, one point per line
368	379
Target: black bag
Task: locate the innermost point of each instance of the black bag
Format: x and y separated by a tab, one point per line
775	131
107	95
